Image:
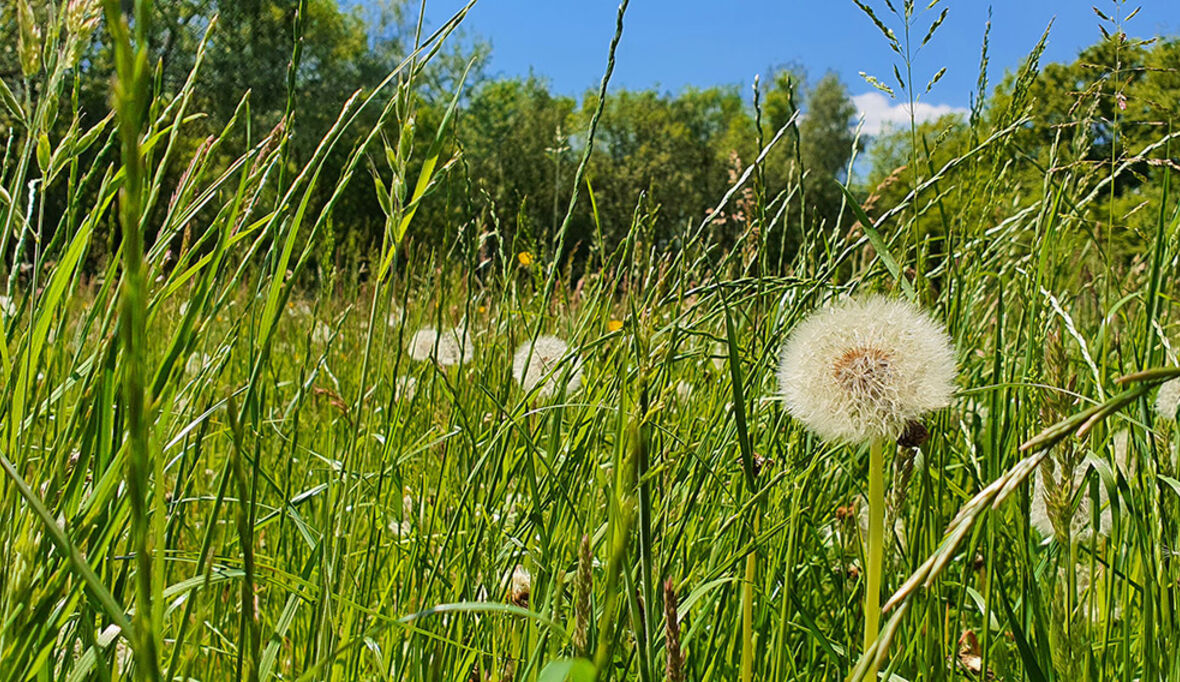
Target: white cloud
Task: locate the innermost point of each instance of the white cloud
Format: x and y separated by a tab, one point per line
881	113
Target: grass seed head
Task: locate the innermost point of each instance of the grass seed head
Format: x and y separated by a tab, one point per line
866	369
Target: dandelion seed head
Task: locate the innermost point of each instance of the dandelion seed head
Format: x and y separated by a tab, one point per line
321	333
451	347
860	370
1168	399
537	362
521	587
406	386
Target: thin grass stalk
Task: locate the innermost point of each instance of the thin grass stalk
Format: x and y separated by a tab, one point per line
747	669
876	546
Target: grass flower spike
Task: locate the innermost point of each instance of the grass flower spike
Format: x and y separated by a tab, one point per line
861	370
538	362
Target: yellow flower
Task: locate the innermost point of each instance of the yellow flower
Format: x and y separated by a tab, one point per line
482	309
525	258
614	325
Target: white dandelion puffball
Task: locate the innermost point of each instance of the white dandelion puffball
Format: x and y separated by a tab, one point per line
1168	399
396	315
406	386
539	362
861	370
321	333
445	348
521	585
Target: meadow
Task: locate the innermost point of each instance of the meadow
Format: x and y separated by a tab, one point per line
225	458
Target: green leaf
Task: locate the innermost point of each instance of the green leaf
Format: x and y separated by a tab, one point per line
568	670
879	245
10	102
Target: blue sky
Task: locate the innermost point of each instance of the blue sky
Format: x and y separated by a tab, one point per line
670	44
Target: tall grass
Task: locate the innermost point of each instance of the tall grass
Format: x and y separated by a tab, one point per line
211	472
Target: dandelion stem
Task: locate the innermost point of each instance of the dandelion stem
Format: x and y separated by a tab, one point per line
875	544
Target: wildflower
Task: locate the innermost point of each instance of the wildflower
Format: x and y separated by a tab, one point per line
524	258
614	325
445	348
535	362
863	370
1168	400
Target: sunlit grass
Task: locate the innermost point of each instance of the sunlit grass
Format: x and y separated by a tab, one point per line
316	494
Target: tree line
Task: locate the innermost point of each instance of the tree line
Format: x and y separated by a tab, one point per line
665	157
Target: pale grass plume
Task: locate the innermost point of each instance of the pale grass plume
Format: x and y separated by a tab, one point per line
863	369
542	364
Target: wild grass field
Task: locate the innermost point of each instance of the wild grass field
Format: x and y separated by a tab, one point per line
224	457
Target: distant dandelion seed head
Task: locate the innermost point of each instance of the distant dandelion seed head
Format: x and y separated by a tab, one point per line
321	333
445	348
521	585
1168	399
866	369
406	387
539	362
